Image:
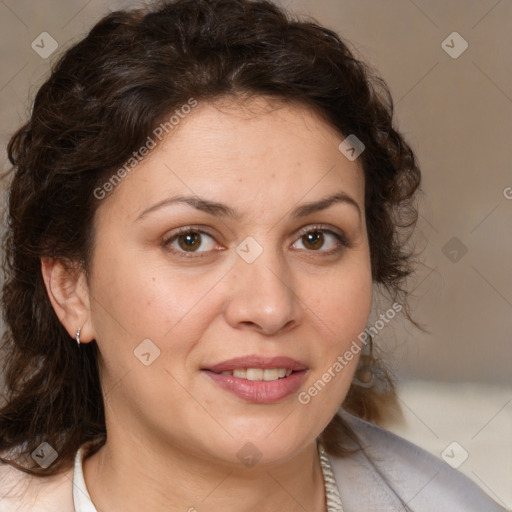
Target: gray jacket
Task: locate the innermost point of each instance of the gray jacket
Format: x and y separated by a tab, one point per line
392	472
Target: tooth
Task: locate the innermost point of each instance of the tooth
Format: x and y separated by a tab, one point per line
254	374
258	374
270	374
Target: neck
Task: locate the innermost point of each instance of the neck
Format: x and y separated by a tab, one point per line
133	475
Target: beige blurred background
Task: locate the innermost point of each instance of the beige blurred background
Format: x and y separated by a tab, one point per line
449	67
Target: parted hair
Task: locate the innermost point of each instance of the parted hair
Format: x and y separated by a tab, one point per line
105	95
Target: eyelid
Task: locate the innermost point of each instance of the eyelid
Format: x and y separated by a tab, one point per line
340	236
183	230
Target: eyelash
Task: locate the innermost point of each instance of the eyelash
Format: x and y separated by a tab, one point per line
342	240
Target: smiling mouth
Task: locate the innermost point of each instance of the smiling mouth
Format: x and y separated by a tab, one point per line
258	374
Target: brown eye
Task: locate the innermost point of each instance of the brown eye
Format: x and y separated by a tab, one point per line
313	240
323	241
189	241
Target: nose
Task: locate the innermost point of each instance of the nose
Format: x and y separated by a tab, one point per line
261	296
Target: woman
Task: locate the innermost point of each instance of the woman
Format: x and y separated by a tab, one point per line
202	200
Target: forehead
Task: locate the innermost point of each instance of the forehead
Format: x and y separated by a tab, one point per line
235	127
256	151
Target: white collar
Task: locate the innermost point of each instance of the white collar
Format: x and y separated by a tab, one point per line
81	499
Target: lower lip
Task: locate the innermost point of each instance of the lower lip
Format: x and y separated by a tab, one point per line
259	391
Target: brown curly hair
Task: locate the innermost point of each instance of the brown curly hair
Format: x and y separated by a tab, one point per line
117	85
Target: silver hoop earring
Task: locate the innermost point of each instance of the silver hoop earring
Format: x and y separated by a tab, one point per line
77	337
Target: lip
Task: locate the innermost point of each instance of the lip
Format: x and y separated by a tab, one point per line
259	392
257	361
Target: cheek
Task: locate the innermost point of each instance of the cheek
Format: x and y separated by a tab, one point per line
341	303
145	300
339	312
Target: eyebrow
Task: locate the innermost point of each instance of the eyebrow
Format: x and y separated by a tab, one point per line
221	210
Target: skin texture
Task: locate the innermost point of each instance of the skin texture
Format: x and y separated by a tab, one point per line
174	434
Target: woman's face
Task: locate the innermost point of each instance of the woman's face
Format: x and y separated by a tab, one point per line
265	202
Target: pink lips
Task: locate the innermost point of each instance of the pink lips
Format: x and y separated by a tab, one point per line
258	391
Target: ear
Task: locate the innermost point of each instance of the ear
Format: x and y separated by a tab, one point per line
67	289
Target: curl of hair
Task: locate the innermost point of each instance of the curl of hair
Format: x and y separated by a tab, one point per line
116	85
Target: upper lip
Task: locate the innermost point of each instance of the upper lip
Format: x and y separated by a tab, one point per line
256	361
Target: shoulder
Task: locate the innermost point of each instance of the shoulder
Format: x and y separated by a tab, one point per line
21	492
390	472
